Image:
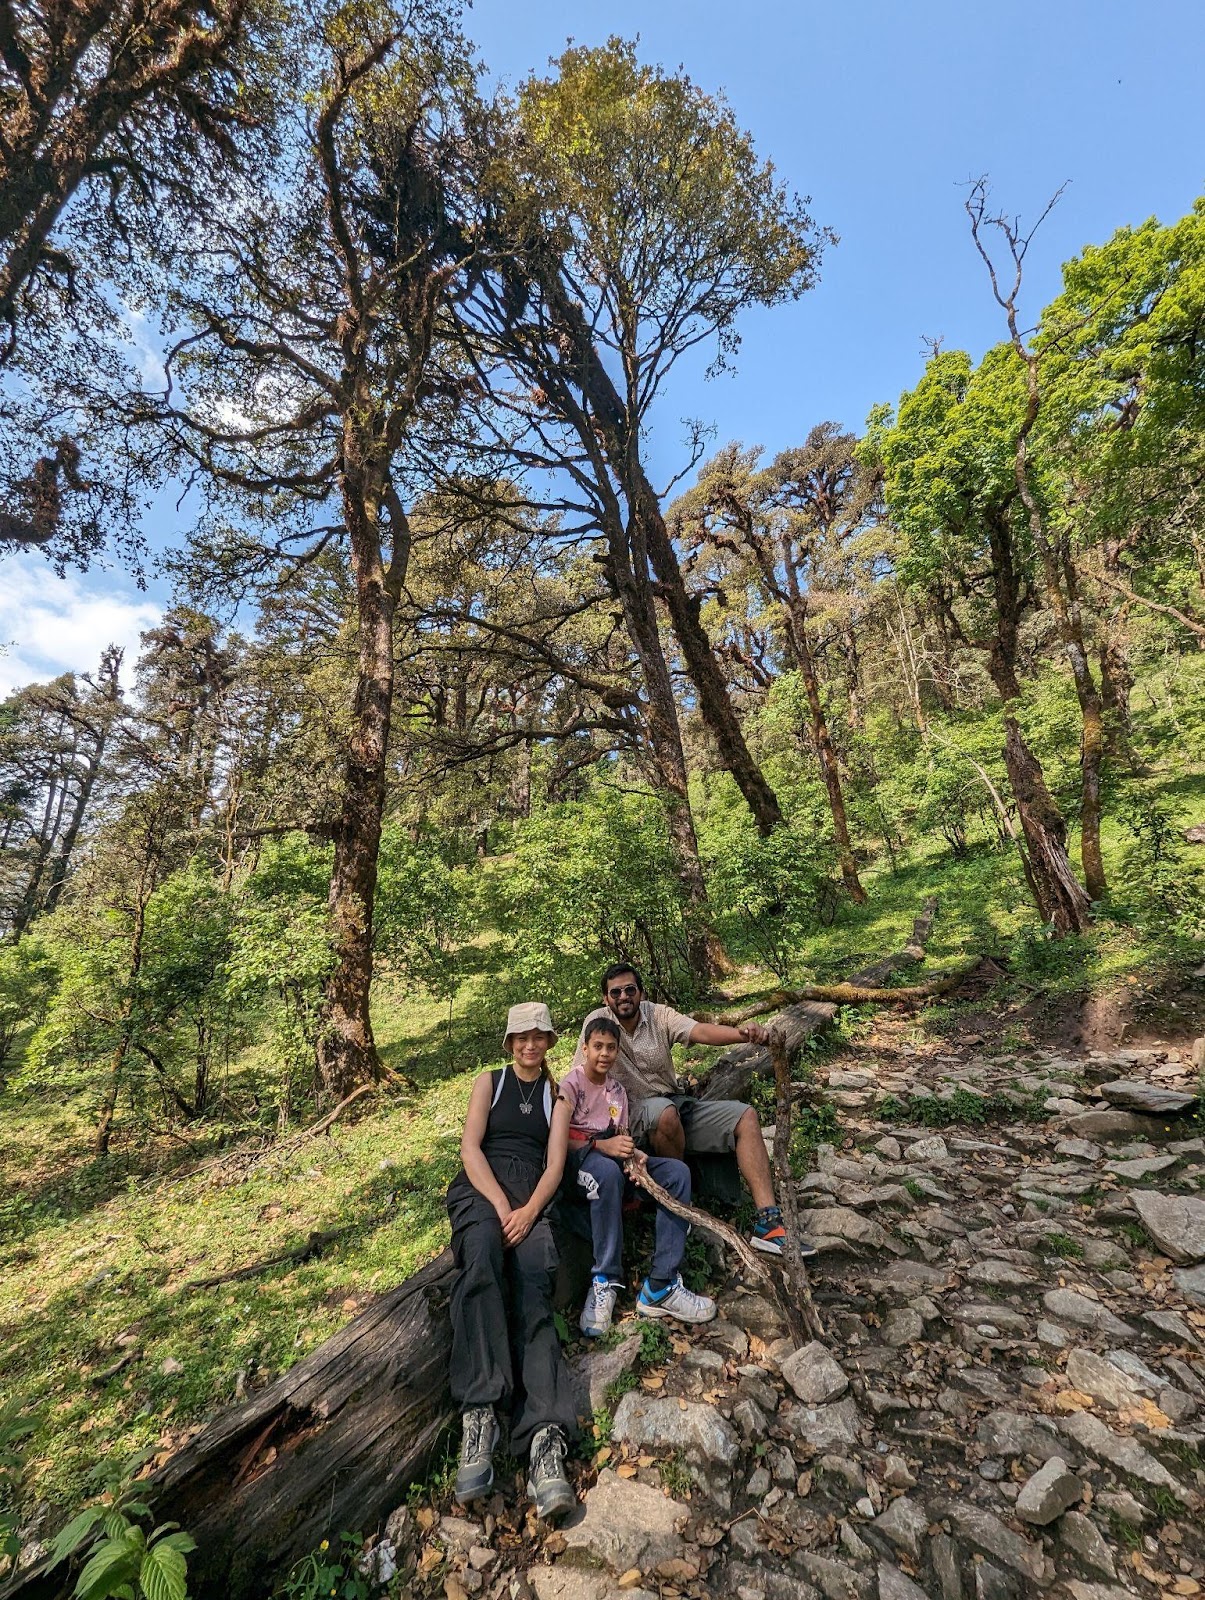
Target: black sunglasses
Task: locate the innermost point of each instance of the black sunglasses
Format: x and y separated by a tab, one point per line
618	994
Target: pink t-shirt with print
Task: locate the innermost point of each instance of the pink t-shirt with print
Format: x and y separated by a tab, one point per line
597	1110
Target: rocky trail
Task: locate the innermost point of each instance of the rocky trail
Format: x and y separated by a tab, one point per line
1010	1395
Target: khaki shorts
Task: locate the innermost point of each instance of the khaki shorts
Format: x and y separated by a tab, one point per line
710	1124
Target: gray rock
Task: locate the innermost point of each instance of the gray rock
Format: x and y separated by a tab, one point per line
835	1580
754	1580
902	1327
1050	1492
1100	1441
1082	1538
459	1534
1185	1375
727	1336
594	1372
945	1564
830	1227
759	1484
1175	1222
1172	1324
991	1583
931	1148
889	1148
1080	1149
1093	1375
814	1375
627	1524
1051	1335
1191	1283
1068	1305
1177	1405
893	1585
687	1425
750	1419
1136	1369
1110	1125
914	1275
905	1524
567	1582
1140	1167
999	1274
1079	1590
824	1426
1135	1094
1010	1433
1121	1503
1000	1317
987	1534
755	1314
699	1359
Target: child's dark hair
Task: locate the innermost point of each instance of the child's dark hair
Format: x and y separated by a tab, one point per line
607	1025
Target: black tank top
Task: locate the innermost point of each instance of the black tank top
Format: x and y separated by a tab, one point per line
519	1119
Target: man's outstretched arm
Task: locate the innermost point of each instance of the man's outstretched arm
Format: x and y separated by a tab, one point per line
719	1033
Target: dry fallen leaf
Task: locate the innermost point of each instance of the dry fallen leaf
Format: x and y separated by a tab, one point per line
1147	1413
1073	1400
655	1380
628	1469
629	1579
603	1456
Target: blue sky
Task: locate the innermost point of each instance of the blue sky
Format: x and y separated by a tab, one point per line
880	112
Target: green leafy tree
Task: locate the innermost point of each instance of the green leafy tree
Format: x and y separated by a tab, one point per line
28	978
948	465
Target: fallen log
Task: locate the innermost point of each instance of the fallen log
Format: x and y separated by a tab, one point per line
332	1444
735	1069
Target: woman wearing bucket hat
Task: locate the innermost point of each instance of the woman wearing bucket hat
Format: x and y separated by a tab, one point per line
505	1350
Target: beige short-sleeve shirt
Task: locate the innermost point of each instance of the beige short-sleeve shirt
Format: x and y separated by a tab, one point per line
645	1065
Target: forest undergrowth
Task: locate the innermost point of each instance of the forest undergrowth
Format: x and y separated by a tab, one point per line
107	1341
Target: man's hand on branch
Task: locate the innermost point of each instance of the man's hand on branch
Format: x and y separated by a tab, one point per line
754	1033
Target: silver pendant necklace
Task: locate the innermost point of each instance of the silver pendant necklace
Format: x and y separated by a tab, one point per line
525	1102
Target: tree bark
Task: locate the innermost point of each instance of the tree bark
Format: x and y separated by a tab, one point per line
1061	899
347	1052
619	433
334	1443
826	755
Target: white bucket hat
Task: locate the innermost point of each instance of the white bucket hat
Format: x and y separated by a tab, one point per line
522	1018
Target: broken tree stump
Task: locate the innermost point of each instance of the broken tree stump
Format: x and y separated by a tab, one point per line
332	1444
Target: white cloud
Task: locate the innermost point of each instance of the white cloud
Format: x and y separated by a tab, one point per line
50	625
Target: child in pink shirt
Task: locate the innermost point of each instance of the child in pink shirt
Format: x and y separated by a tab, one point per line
599	1144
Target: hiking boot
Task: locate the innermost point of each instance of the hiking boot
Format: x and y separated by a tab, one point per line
676	1301
475	1474
769	1236
546	1481
599	1308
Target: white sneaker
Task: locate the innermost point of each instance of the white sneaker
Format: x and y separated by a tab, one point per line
599	1308
677	1301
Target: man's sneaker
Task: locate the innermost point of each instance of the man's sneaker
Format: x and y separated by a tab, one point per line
546	1481
676	1301
769	1236
475	1474
599	1308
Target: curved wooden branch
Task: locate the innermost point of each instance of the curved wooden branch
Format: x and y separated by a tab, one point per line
706	1223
